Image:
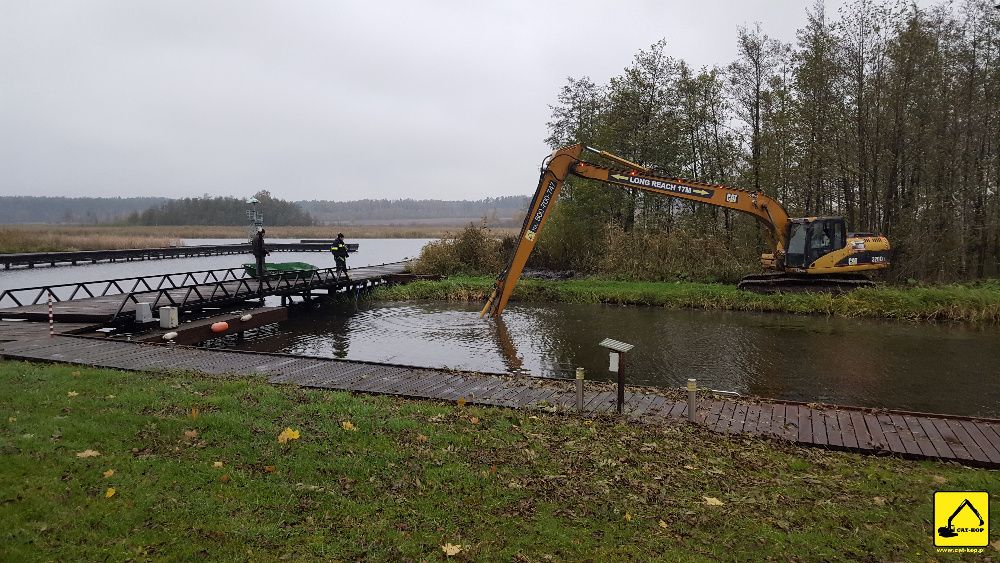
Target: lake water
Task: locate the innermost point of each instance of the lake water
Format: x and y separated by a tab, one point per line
924	367
370	252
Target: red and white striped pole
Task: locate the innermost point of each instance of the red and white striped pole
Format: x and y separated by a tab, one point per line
52	328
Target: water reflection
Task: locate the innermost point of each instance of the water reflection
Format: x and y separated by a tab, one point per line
938	368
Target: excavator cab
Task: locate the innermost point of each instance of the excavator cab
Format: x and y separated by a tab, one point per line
811	238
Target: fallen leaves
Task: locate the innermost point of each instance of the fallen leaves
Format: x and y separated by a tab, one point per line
712	501
461	402
217	464
108	473
75	374
663	524
190	434
422	439
72	394
474	420
193	415
88	453
224	478
288	434
450	549
11	419
110	492
879	501
269	469
939	480
349	426
628	517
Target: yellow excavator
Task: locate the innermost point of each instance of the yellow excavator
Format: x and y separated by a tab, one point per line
808	254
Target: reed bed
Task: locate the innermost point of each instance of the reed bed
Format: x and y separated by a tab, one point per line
36	239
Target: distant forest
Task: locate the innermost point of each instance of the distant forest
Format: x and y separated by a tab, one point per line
232	211
221	211
496	210
72	210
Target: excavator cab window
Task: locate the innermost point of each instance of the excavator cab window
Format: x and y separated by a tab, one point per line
795	256
827	235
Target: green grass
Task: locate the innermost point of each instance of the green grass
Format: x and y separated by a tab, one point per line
512	486
978	303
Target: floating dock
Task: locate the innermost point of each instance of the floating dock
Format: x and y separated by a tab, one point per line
114	301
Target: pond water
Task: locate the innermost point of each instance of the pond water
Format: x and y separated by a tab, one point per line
924	367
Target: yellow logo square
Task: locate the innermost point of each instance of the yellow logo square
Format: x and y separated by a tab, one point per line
961	518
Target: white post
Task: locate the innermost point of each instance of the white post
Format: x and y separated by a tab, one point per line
692	397
52	327
580	373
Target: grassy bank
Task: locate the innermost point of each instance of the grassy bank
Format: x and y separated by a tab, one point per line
100	464
52	238
969	303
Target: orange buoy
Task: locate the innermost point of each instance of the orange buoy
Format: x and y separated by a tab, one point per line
221	326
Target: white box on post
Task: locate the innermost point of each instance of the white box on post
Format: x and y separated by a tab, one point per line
169	317
143	313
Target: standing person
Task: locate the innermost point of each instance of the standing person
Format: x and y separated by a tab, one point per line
259	252
339	250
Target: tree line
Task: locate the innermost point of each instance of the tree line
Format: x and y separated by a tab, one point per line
885	113
221	211
504	207
71	210
208	210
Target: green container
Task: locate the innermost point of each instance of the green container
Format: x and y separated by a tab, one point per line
286	269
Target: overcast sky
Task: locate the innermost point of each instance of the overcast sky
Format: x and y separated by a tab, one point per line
319	100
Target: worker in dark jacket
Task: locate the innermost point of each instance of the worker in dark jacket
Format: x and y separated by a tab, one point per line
339	250
259	252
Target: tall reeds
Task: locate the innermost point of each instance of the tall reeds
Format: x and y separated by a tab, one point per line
474	250
36	239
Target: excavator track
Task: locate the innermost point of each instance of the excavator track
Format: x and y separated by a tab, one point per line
783	282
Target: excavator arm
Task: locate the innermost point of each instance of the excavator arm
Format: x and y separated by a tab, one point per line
565	161
554	172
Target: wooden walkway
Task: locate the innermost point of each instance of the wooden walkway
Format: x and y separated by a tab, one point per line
31	259
106	308
911	435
